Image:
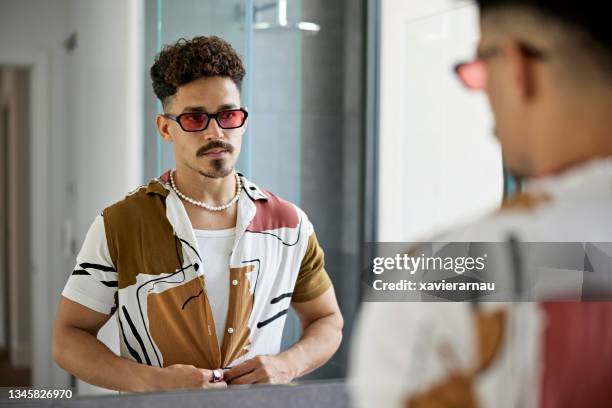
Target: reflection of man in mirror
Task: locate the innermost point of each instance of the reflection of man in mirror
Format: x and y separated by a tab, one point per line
200	265
546	67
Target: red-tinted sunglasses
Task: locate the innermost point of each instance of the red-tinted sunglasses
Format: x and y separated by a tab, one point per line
198	121
473	74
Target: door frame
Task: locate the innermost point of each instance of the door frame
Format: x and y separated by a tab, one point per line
5	339
40	211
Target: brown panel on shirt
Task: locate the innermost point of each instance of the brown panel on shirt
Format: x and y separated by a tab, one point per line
526	201
239	310
182	326
312	280
454	392
139	236
491	331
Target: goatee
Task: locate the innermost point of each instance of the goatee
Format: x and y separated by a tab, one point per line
218	170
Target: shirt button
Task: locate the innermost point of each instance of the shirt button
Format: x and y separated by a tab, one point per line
230	330
235	282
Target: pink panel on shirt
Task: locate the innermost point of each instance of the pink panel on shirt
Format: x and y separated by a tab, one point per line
165	177
273	214
577	355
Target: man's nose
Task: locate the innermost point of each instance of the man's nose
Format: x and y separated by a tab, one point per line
213	131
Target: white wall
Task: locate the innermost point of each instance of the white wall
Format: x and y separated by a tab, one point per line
106	106
33	31
92	135
439	165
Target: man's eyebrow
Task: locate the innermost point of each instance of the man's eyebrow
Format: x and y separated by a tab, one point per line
225	106
194	109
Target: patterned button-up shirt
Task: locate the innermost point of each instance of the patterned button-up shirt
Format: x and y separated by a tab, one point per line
141	260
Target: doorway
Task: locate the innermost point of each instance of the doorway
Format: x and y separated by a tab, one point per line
15	341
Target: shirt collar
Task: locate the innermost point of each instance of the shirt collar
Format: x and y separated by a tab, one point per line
590	178
177	216
252	190
161	186
157	186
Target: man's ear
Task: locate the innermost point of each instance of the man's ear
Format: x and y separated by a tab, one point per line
522	70
162	127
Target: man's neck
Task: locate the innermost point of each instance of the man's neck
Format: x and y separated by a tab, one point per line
576	142
213	191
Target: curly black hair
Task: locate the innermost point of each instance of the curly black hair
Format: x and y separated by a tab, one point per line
187	60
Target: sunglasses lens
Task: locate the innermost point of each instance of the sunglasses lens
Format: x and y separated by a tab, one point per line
231	119
194	121
473	74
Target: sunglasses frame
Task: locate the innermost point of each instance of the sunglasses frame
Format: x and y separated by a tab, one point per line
210	116
527	49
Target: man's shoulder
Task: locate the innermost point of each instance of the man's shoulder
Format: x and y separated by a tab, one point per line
498	227
265	198
540	217
138	200
520	217
273	212
278	203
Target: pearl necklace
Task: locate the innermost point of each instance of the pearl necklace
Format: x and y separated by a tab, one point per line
203	204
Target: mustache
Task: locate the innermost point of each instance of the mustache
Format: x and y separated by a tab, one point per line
215	144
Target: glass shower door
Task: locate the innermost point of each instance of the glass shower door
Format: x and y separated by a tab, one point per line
228	19
276	120
265	33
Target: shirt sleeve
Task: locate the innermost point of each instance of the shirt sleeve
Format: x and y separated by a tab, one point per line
312	280
94	280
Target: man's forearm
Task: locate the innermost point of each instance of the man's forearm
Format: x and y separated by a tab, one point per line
83	355
318	343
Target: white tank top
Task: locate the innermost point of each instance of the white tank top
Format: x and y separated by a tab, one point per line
215	248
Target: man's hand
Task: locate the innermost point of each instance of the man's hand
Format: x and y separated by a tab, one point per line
260	370
78	351
184	376
322	332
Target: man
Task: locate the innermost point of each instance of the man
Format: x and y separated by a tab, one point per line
200	265
546	66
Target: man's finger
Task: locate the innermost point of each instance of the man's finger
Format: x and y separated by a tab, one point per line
217	385
206	375
250	378
211	375
241	369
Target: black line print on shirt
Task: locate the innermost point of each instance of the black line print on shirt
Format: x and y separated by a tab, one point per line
135	333
281	297
192	297
257	278
273	318
299	229
98	267
133	352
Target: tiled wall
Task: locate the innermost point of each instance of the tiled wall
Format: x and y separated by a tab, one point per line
305	121
307	130
332	142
